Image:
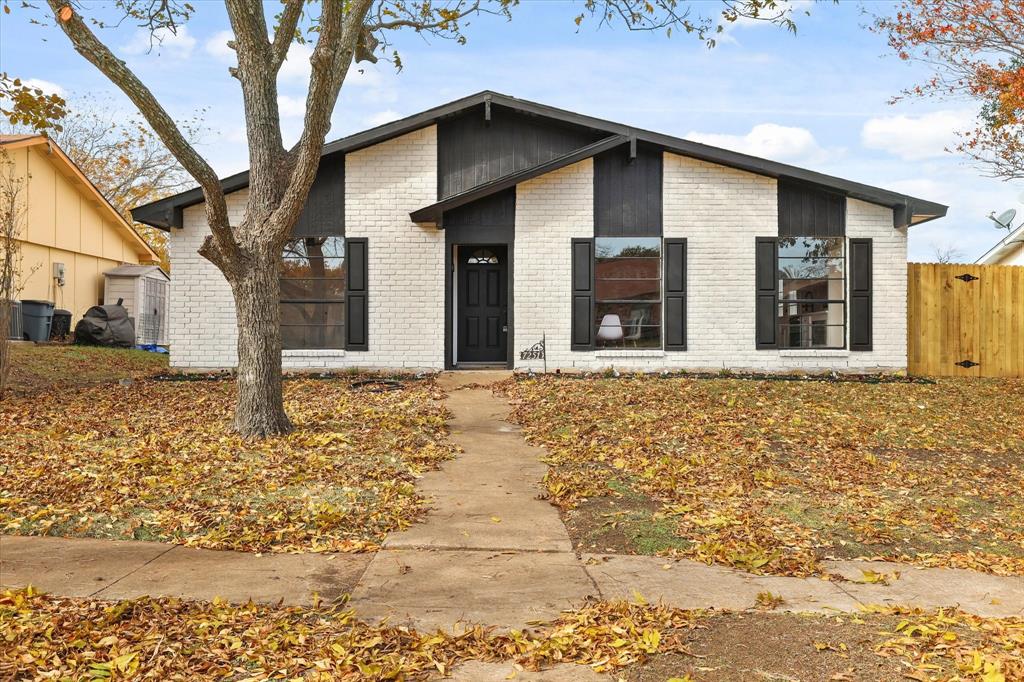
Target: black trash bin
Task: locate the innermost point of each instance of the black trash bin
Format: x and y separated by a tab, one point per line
36	318
61	327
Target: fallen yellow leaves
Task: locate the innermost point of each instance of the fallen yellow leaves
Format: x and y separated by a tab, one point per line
773	476
156	460
986	649
47	637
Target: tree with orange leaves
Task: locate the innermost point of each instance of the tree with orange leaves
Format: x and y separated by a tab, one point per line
975	49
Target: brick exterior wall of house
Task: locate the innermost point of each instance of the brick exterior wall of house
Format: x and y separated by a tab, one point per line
383	183
718	210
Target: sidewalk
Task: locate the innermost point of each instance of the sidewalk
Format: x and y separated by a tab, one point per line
490	551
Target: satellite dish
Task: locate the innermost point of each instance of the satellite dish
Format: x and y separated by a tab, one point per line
1004	219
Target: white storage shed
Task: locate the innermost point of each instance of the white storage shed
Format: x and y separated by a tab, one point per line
144	291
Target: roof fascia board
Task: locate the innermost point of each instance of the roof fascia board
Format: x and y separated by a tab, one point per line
434	212
150	214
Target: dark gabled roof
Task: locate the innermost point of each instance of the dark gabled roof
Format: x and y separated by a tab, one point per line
908	210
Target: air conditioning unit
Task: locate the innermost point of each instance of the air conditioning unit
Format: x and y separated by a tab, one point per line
16	331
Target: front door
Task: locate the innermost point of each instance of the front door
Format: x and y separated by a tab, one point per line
482	281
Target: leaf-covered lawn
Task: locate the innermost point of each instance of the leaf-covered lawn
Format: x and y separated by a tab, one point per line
36	367
156	460
52	638
772	476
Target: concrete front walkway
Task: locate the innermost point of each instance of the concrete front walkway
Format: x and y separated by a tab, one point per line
490	552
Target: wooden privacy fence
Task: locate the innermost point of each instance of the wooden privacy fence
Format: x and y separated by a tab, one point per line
965	320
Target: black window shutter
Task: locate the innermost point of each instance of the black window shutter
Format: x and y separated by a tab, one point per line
766	292
675	294
582	294
356	310
860	294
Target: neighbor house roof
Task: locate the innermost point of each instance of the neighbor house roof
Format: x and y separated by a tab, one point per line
908	210
129	270
1006	246
71	171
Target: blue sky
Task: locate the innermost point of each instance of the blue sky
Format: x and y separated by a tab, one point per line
818	99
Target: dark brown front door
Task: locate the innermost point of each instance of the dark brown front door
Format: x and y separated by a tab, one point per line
483	304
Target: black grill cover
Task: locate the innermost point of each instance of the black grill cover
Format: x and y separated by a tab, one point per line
105	325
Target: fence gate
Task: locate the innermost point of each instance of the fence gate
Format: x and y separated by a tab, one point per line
965	320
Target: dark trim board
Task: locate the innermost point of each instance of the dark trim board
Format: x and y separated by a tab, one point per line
907	210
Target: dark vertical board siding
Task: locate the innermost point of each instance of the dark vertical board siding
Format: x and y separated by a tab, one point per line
860	294
628	193
356	285
471	152
766	292
324	212
582	294
675	294
496	210
805	210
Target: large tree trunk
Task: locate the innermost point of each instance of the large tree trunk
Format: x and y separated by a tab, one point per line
260	409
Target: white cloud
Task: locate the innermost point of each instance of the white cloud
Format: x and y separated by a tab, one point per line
47	87
217	46
382	117
770	141
296	68
291	107
178	44
913	138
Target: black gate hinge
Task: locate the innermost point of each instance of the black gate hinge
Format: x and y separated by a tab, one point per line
967	364
967	277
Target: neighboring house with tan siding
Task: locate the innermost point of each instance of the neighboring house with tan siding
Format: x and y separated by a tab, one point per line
67	221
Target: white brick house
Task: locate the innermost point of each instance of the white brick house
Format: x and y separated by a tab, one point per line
464	235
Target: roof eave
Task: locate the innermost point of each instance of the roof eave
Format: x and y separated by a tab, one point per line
157	215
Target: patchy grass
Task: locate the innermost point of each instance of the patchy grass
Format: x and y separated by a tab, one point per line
50	638
773	476
156	460
37	367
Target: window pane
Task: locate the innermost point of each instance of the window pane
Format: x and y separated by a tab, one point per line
810	247
816	335
610	290
315	247
812	325
815	289
298	337
810	268
313	293
628	324
625	247
312	289
312	313
627	275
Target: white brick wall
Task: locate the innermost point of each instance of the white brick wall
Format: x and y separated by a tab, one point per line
383	183
550	211
720	211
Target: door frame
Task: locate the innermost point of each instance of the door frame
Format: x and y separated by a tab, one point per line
451	262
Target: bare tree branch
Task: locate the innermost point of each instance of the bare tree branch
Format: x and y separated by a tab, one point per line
340	32
285	34
89	46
